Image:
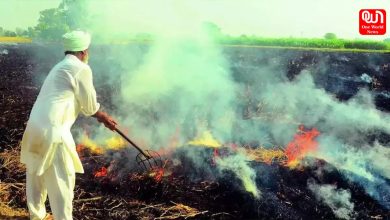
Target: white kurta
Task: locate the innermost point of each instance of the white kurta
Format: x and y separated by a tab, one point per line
67	91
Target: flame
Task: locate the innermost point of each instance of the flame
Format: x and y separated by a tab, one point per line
91	145
302	144
206	139
101	172
79	149
159	172
113	143
268	156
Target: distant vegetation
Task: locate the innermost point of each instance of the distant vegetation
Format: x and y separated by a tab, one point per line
15	39
330	36
306	42
72	14
54	22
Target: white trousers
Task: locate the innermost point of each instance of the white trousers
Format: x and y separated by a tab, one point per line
58	183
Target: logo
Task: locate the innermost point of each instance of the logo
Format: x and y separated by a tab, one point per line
372	22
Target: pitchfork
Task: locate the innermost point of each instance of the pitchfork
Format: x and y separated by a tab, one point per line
149	159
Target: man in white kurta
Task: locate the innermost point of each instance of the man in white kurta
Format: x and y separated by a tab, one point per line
48	148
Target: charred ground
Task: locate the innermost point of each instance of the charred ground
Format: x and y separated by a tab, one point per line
126	195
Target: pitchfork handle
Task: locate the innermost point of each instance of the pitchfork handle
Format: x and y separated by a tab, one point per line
132	143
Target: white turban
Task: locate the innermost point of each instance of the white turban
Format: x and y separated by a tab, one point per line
76	41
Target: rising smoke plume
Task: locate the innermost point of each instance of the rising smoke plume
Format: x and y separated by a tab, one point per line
339	200
183	84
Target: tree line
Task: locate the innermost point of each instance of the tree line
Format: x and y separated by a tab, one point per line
54	22
72	14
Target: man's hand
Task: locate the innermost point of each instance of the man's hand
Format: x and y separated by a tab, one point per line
106	119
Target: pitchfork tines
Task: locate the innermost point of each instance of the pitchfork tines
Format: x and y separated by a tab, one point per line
148	159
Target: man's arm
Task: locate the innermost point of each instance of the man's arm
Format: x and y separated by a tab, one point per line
86	96
85	92
108	121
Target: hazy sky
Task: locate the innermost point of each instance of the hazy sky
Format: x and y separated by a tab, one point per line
281	18
22	13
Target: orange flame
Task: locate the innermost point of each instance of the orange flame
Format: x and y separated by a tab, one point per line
159	172
101	172
302	144
79	149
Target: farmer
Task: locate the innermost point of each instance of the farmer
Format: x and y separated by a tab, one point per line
48	148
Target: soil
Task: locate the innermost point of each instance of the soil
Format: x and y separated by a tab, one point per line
183	194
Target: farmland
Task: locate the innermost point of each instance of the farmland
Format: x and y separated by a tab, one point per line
307	43
193	188
254	41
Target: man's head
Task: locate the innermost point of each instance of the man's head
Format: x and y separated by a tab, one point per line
82	55
77	43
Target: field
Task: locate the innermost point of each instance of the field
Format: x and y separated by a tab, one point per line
15	39
253	41
184	189
308	43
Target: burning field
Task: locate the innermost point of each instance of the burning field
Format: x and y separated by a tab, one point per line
242	133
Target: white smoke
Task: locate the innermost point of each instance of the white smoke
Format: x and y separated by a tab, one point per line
339	200
238	164
184	80
180	84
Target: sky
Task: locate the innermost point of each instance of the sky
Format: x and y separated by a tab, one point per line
22	13
276	18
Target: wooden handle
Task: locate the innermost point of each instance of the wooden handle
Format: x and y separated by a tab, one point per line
132	143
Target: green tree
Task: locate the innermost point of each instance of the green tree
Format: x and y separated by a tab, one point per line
54	22
51	24
76	13
20	32
8	33
31	32
330	36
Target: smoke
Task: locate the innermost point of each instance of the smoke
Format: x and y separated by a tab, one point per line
302	101
344	127
238	164
378	158
367	165
181	83
339	200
